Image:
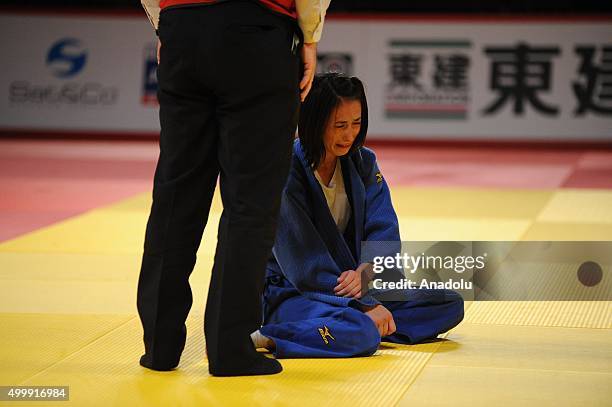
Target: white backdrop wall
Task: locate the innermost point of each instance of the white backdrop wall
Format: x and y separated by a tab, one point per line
439	78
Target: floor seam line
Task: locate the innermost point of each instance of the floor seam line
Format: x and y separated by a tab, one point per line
534	220
416	376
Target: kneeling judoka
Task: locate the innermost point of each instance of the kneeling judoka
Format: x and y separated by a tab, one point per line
334	199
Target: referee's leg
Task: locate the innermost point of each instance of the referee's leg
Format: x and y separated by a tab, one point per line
185	179
257	111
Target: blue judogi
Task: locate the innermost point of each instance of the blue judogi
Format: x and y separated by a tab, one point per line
301	312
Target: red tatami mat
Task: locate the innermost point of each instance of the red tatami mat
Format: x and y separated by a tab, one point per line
45	181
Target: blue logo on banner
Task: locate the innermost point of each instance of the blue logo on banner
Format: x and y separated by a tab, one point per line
66	57
149	85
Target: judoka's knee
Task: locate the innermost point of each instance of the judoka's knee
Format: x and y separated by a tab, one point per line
456	306
366	335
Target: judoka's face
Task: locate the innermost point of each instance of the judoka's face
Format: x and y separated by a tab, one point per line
342	128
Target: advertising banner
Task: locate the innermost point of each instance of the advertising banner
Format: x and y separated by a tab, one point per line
444	78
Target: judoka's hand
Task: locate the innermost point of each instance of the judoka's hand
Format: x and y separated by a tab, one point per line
383	320
349	284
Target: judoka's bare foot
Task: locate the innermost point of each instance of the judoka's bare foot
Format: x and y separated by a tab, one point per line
260	341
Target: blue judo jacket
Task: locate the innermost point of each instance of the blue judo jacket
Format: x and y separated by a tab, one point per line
310	252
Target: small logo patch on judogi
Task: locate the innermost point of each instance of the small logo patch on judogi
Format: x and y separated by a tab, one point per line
325	334
379	178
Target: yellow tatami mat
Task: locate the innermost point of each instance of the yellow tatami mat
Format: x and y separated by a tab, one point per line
516	365
108	364
569	314
31	343
68	317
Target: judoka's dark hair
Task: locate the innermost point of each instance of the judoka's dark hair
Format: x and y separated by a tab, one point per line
328	90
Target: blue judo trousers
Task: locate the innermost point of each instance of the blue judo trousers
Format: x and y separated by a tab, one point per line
301	312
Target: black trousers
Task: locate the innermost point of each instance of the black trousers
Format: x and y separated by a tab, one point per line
229	99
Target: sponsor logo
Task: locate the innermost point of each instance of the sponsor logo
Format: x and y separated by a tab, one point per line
66	60
149	82
428	79
324	332
73	93
379	178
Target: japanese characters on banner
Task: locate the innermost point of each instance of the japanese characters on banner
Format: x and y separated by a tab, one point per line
542	80
478	79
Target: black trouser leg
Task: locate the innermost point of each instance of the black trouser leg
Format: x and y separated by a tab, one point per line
228	95
251	186
185	180
257	113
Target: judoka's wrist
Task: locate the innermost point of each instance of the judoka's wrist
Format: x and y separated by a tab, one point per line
366	308
367	303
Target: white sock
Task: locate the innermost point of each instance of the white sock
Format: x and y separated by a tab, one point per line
260	341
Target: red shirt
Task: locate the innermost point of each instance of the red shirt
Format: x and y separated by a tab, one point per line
286	7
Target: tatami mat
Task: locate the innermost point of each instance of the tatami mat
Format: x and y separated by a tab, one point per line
472	203
413	228
579	206
483	365
491	386
526	347
570	231
571	314
105	372
31	343
68	317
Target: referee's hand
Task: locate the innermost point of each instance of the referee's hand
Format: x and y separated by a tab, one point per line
158	49
309	59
